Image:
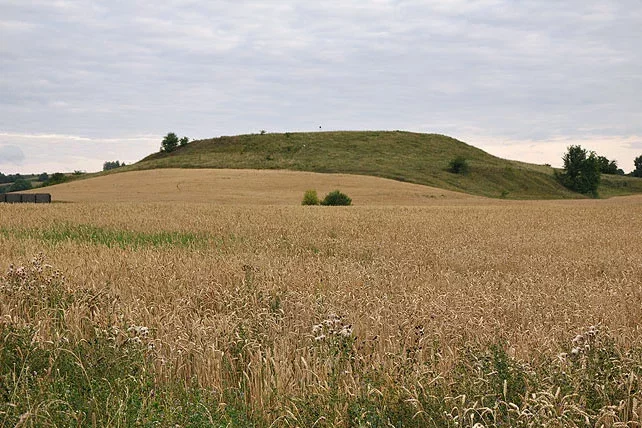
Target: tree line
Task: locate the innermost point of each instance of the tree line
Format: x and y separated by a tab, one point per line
583	170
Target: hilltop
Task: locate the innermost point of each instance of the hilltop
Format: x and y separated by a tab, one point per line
403	156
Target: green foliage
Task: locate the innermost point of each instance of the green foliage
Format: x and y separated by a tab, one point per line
609	167
63	232
412	157
310	198
19	185
43	177
169	143
184	141
459	165
637	172
581	171
112	165
56	178
336	198
9	178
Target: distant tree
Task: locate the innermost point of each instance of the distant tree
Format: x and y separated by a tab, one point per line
112	165
184	141
170	142
55	178
606	166
19	185
637	172
9	178
581	171
43	177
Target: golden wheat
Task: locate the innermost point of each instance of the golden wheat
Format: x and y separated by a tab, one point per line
242	186
271	290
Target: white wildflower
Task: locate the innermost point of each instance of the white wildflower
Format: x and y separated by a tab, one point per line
346	331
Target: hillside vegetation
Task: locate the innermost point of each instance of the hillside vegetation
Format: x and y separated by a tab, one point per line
404	156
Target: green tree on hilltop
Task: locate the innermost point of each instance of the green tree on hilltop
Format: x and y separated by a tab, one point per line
170	142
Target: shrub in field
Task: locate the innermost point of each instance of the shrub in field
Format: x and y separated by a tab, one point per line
459	165
310	198
336	198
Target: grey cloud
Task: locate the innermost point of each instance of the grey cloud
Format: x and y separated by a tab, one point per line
11	155
528	70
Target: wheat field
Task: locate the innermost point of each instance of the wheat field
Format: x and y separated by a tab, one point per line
242	187
483	313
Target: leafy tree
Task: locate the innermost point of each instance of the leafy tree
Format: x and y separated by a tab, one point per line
637	172
9	178
184	141
170	142
336	198
55	178
19	185
581	170
43	177
607	167
112	165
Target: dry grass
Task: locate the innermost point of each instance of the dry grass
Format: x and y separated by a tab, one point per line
417	290
247	187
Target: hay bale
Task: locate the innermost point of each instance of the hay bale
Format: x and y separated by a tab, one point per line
43	198
14	198
28	197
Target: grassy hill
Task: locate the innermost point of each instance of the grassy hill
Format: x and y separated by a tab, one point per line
404	156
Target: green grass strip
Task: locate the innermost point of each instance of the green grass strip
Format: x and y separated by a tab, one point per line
94	235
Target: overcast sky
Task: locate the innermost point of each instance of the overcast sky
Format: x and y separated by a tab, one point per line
82	82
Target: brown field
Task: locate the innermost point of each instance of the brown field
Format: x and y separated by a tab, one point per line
243	186
401	296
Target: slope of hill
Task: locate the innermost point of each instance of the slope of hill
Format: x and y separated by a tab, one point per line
404	156
247	187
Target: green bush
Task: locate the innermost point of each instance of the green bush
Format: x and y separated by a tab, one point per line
19	185
336	198
310	198
55	178
459	165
